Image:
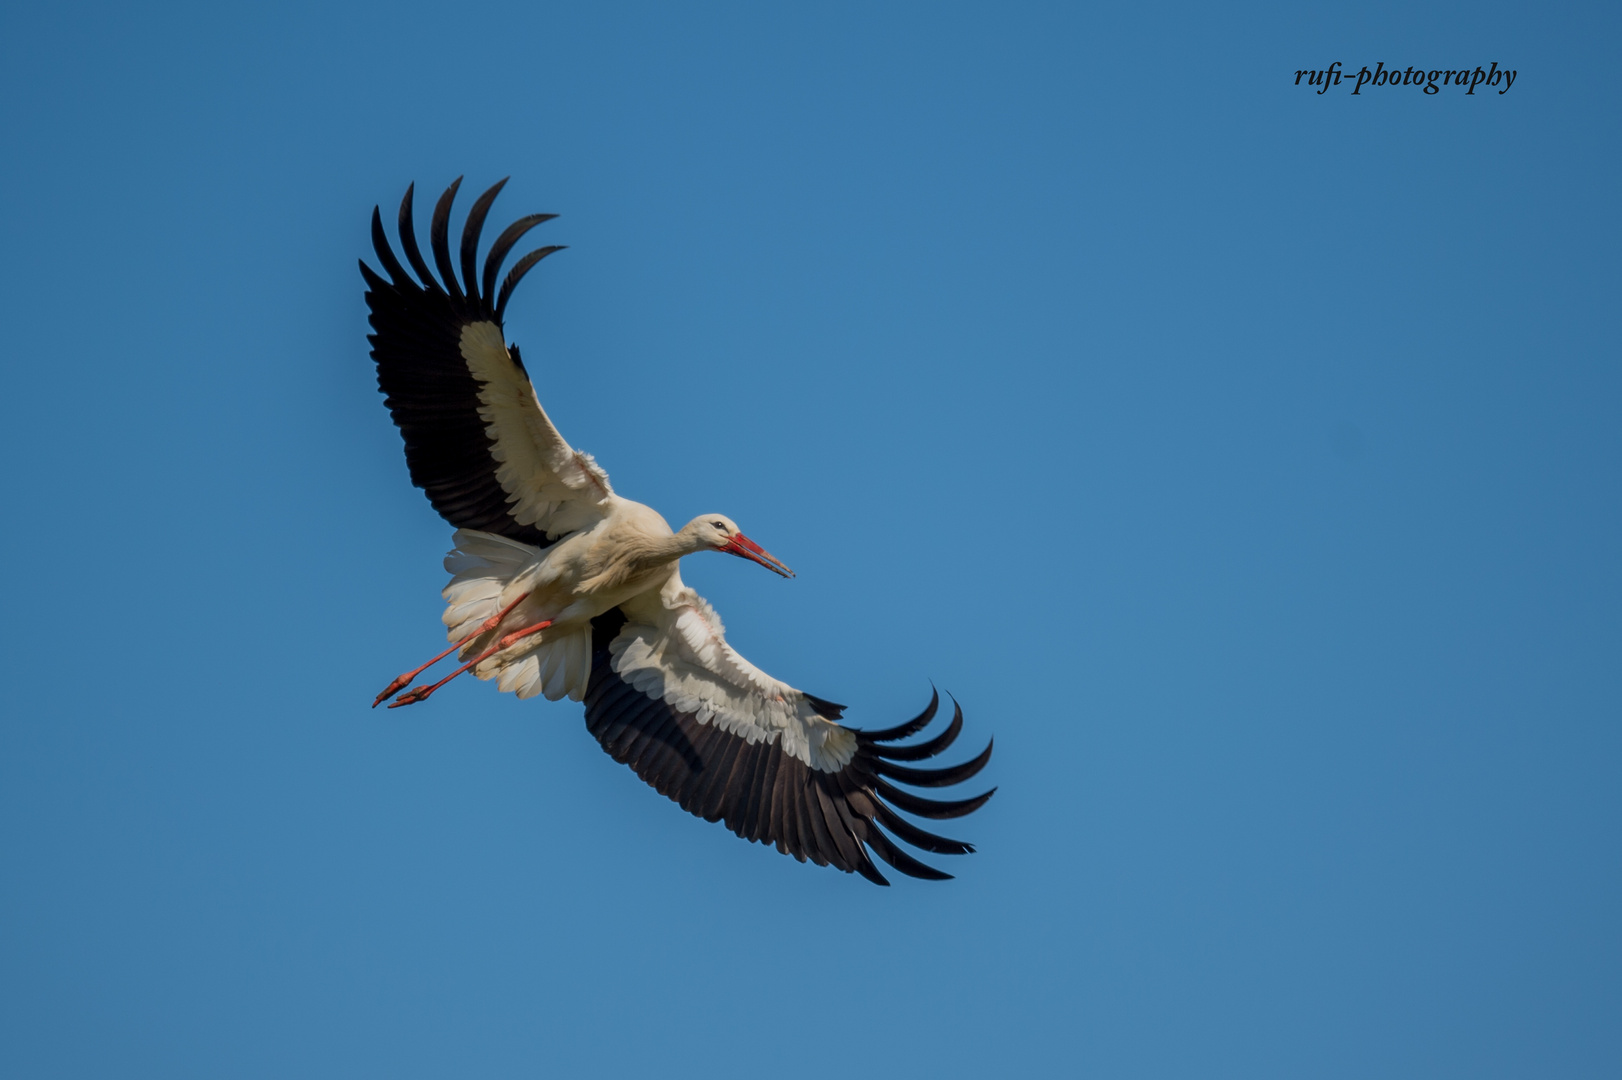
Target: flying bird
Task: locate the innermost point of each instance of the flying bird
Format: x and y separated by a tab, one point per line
560	587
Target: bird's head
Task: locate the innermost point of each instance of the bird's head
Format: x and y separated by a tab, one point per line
719	532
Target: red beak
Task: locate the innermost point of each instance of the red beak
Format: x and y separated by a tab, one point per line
744	547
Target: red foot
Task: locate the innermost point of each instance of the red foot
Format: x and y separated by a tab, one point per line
411	697
400	683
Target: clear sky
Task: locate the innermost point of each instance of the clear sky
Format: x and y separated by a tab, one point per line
1245	460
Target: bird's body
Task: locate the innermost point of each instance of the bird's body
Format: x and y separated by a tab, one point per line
562	588
586	573
627	558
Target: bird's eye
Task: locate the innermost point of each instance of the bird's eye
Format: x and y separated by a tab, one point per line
719	525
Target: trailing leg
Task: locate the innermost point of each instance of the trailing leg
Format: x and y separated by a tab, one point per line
402	681
411	697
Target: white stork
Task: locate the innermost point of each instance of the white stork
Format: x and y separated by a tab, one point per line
562	588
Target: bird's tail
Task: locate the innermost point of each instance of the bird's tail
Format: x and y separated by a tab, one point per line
480	565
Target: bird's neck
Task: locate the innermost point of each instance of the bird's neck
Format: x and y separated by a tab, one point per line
632	557
686	542
667	549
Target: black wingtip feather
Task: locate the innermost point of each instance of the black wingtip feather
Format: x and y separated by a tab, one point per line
871	873
520	268
919	838
935	809
385	253
373	281
925	750
439	238
902	861
944	777
470	236
911	727
408	241
504	244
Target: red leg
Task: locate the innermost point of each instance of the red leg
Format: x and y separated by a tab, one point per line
507	641
411	697
402	681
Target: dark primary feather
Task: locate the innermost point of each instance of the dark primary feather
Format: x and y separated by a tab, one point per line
924	750
934	777
516	274
911	727
470	235
762	794
504	243
416	342
408	241
439	237
938	809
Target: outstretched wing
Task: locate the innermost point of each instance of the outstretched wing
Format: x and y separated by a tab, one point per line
476	438
672	700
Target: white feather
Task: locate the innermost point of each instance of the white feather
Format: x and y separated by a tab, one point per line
517	675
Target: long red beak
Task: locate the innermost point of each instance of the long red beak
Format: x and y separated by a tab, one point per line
744	547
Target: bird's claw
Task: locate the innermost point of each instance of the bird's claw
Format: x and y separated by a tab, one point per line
411	697
400	683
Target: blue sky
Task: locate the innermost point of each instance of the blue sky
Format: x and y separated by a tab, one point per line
1245	460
